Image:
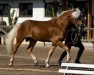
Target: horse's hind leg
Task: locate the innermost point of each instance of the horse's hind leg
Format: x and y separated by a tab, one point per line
50	54
18	42
32	43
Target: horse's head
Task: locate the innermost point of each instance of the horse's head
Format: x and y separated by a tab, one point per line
76	13
75	18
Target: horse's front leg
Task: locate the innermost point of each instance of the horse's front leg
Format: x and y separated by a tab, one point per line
49	55
60	44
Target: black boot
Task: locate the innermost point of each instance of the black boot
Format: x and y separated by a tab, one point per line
77	61
59	63
61	58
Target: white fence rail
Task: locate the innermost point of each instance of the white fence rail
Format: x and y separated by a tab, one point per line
74	68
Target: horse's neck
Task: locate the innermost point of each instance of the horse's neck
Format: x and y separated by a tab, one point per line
62	22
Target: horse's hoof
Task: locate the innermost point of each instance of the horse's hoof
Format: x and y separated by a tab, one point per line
10	65
67	61
36	62
47	65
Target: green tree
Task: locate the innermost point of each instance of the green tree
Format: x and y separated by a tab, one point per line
11	19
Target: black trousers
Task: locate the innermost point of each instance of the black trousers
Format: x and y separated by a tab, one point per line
0	40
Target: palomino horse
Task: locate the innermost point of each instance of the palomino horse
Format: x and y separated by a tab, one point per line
53	31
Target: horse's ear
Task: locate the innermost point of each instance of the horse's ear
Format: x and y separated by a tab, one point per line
75	9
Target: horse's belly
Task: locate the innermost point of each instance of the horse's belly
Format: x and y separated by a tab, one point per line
40	37
44	40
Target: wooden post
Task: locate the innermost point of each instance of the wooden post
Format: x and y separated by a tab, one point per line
89	19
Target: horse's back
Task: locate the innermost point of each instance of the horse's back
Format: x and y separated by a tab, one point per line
39	30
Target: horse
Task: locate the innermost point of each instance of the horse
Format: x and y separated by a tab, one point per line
53	30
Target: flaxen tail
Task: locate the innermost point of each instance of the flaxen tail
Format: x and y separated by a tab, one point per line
10	38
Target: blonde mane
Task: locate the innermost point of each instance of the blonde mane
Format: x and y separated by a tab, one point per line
63	12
